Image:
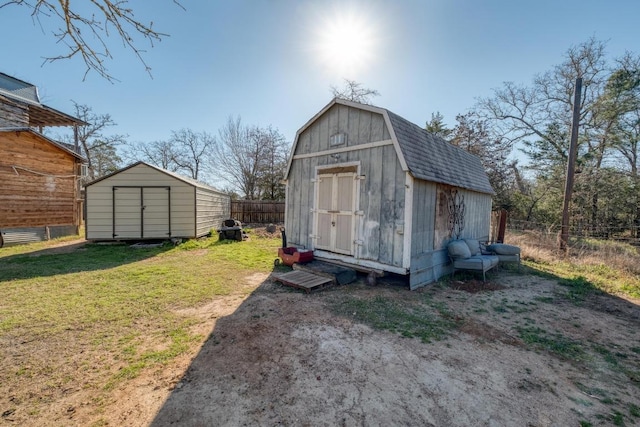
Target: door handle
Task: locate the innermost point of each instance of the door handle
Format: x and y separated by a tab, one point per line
333	223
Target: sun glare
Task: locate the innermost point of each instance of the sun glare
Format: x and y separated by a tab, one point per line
345	43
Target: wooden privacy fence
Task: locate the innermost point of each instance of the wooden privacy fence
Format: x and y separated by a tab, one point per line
257	211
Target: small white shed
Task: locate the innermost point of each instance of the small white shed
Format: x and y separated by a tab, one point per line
143	201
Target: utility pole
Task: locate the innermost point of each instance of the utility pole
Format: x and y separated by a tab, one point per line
571	166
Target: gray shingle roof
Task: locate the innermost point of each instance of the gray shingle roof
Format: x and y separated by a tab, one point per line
431	158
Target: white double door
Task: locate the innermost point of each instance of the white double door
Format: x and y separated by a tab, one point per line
335	212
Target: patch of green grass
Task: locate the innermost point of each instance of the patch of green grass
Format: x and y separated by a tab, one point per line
422	319
116	304
607	355
555	343
585	278
598	393
617	418
117	284
585	424
578	288
580	401
499	308
634	410
179	342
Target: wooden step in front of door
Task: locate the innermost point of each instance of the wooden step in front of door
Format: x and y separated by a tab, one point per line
339	274
304	280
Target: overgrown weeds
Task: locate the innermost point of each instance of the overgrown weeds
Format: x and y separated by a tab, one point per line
609	266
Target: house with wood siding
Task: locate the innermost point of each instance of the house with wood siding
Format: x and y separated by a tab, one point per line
39	177
368	188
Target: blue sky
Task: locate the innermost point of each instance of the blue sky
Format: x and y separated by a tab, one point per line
272	62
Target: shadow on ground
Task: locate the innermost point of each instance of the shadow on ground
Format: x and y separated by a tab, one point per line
282	357
73	258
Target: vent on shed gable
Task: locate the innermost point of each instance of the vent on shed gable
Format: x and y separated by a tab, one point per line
338	139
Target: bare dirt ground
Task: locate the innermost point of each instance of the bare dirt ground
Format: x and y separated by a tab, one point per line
283	357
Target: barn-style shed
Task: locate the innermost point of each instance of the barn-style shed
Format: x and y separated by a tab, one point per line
369	188
143	201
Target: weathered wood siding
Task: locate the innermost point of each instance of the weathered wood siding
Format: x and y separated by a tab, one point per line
99	220
429	257
211	209
381	193
13	114
38	182
477	219
424	211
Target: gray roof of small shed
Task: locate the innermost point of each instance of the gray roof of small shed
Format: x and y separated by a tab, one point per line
421	153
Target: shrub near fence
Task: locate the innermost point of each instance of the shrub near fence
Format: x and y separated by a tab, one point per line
257	211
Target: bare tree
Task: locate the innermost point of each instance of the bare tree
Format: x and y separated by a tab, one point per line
192	151
159	153
237	157
274	162
84	29
95	143
251	159
353	91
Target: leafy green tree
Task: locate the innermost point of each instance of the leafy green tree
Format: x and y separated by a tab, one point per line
437	126
473	134
105	160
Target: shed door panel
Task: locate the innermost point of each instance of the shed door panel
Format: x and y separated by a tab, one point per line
344	215
127	223
325	198
155	202
141	213
335	212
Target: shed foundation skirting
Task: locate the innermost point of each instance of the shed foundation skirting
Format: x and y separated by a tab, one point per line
363	262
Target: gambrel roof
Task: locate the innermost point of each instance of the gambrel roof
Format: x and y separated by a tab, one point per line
424	155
